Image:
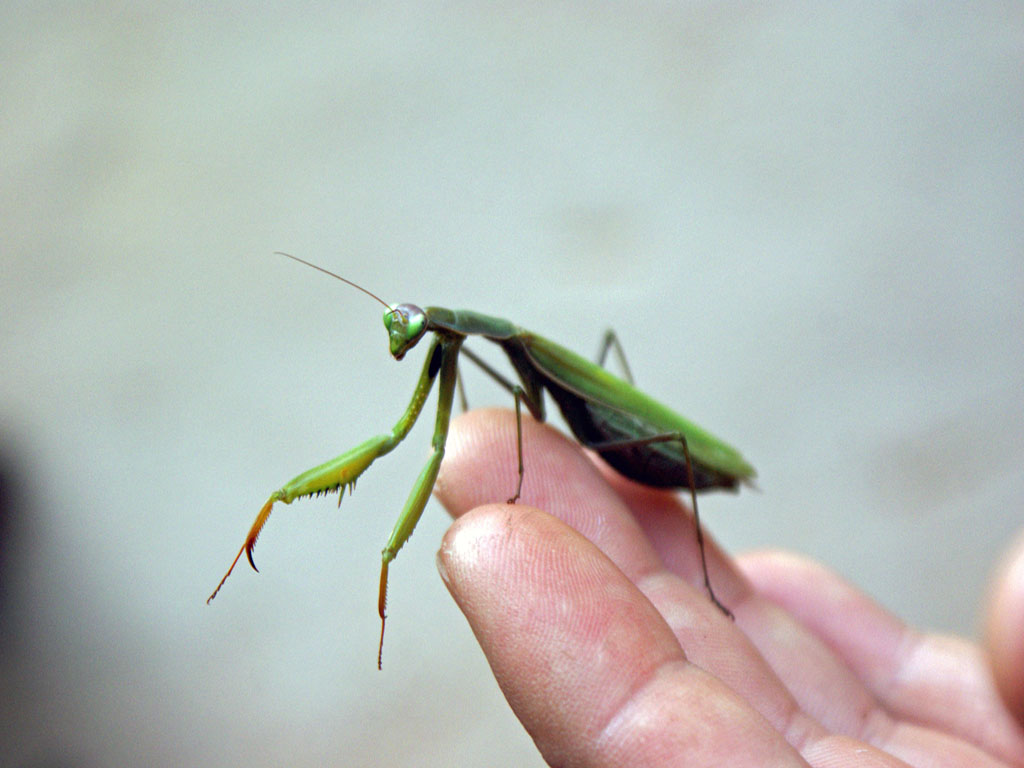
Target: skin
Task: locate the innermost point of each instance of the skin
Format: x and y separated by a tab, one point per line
586	598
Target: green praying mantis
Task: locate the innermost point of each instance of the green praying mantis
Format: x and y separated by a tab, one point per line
635	434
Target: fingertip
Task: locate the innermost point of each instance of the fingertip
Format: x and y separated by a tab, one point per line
585	660
1004	629
467	546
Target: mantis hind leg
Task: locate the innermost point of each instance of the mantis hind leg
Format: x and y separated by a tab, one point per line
611	341
674	437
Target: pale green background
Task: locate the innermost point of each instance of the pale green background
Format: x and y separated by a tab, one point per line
804	221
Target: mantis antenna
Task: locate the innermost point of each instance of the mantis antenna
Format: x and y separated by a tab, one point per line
338	277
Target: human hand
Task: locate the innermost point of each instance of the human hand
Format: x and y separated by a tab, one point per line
587	599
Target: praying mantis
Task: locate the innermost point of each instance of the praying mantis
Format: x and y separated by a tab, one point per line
635	434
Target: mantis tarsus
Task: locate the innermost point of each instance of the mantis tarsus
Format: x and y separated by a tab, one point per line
638	436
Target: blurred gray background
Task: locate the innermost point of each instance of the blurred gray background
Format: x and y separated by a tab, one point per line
804	222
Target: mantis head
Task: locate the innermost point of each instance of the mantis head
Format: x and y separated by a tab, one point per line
406	324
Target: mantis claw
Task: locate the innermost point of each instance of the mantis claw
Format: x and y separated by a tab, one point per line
257	527
338	474
250	541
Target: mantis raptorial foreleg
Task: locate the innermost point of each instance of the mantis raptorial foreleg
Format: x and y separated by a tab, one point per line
342	472
420	494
